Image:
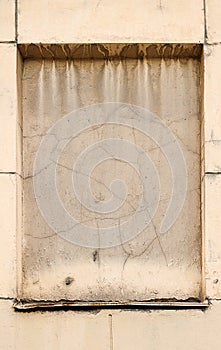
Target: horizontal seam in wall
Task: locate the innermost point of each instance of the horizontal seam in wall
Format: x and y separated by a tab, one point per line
7	298
213	173
215	43
8	42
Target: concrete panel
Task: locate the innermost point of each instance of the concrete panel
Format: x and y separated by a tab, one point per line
213	14
10	114
110	329
212	108
8	235
110	21
7	20
49	330
195	330
212	235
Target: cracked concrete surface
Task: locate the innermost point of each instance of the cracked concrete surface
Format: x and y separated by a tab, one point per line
152	265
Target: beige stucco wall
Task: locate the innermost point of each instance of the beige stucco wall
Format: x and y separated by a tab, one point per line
28	21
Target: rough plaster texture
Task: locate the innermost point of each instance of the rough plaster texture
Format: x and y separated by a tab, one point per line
150	266
54	22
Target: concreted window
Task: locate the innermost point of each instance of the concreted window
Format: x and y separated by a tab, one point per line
111	168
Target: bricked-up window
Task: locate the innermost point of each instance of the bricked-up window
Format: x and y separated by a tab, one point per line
111	161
